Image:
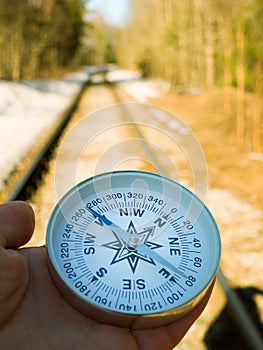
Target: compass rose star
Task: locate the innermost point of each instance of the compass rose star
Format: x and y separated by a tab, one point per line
131	254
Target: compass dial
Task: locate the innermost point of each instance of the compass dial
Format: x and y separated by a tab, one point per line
132	248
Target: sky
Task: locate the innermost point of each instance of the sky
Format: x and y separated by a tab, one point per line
114	11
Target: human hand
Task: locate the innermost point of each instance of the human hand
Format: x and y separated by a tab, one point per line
34	315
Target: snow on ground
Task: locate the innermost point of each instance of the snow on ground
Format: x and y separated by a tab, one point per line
136	87
27	108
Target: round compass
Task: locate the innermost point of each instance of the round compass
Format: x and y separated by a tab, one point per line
132	248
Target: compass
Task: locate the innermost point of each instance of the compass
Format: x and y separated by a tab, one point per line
132	248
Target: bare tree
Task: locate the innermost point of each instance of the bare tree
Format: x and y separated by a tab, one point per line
38	36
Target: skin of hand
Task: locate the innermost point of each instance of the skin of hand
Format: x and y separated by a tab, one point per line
34	315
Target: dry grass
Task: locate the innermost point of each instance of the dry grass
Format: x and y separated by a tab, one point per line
229	166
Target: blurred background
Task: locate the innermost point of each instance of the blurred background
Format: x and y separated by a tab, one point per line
194	45
207	57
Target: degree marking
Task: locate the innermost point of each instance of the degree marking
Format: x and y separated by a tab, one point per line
99	287
70	259
160	292
189	269
174	220
109	292
162	207
83	275
77	240
117	300
171	285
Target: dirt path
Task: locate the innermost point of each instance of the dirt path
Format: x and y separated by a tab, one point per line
239	217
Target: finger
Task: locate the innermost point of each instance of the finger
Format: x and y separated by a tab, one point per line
178	329
14	276
167	337
17	224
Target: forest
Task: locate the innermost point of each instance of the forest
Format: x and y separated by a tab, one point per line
38	37
203	44
192	44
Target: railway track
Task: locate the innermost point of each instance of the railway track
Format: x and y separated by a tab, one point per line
94	139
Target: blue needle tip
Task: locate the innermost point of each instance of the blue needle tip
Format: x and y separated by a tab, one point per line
99	216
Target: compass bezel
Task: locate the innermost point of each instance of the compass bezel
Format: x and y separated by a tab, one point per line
166	187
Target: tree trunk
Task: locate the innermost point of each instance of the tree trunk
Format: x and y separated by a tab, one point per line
240	72
256	121
209	48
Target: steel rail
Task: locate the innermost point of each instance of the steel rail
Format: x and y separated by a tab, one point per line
241	318
245	324
238	313
35	162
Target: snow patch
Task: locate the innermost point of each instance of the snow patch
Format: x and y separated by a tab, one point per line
144	90
27	109
141	90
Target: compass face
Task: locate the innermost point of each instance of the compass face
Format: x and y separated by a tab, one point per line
133	243
124	252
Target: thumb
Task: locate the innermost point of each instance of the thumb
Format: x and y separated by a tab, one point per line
16	227
14	275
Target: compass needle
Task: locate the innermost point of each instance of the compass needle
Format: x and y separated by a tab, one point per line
113	246
99	216
134	241
148	251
